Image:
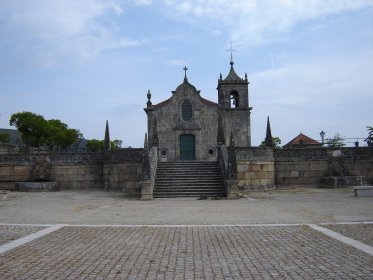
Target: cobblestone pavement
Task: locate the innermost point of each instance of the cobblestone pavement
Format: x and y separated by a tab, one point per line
360	232
12	232
186	252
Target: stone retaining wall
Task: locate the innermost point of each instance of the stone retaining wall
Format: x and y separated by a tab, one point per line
117	170
255	169
307	166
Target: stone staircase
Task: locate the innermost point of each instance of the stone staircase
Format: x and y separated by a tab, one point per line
189	179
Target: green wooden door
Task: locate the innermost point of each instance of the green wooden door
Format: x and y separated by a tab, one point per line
187	147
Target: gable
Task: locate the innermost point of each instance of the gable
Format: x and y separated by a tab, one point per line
300	140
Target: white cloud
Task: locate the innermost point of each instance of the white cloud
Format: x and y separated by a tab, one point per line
299	84
252	22
54	29
325	93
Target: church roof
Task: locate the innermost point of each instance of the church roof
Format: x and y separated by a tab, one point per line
180	88
163	103
232	76
186	84
303	140
208	102
203	100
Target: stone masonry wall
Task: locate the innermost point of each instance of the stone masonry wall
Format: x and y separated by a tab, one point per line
357	162
255	169
16	167
118	170
76	171
122	171
307	166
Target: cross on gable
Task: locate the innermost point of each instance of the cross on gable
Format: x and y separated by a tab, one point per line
185	77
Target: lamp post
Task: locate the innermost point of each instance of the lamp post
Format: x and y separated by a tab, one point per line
322	134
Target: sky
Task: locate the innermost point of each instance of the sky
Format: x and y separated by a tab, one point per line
309	62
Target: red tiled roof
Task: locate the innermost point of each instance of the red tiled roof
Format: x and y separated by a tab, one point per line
302	139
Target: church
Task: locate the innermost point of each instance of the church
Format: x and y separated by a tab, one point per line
189	127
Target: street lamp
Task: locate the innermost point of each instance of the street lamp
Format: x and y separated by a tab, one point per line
322	134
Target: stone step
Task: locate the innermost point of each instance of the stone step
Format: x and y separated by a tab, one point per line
195	185
189	178
175	195
188	193
189	174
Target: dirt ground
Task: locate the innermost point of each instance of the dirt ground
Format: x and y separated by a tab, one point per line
300	205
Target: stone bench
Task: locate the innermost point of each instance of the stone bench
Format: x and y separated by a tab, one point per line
363	191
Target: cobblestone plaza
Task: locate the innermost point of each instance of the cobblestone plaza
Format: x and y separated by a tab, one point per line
337	250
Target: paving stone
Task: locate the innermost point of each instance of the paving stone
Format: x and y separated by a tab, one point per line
360	232
9	233
206	252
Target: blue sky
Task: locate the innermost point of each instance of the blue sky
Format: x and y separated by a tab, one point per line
309	63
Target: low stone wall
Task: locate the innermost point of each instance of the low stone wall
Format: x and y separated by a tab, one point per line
307	166
8	148
358	162
116	170
83	176
255	169
16	167
300	172
122	171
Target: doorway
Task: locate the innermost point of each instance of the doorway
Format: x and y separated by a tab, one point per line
187	147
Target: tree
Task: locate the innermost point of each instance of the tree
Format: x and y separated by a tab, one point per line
59	135
32	127
369	139
276	143
116	144
4	138
37	131
95	145
336	142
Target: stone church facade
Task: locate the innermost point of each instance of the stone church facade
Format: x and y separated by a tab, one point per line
186	126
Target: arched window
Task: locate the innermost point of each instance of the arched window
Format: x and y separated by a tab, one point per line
234	102
186	111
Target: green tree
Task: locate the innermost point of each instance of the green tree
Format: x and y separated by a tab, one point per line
33	128
4	138
369	139
59	135
276	143
336	142
36	131
116	144
95	145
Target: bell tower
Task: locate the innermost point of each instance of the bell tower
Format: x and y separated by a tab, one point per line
233	96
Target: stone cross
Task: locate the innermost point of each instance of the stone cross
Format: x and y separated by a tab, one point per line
185	77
